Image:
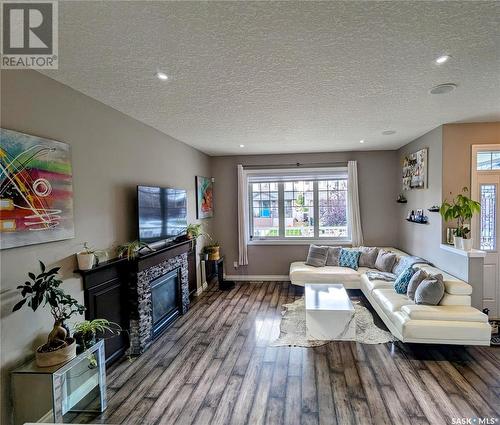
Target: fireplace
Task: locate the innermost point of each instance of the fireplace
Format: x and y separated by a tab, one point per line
165	300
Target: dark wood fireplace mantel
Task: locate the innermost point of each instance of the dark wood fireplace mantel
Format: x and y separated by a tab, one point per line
107	289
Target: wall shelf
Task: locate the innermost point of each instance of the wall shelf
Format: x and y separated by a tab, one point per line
417	222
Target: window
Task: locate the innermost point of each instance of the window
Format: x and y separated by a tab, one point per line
298	206
488	217
488	160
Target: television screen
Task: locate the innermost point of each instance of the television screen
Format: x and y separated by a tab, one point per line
162	213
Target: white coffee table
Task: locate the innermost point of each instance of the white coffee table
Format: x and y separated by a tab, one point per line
329	312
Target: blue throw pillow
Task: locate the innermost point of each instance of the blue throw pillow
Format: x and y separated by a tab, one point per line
402	281
349	258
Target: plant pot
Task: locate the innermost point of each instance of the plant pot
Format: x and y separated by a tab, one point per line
85	260
466	244
213	252
52	358
458	242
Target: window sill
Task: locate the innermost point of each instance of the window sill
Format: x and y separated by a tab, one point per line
299	242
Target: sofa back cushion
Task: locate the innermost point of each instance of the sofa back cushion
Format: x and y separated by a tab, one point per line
317	255
349	258
402	281
368	257
415	281
430	291
333	256
385	260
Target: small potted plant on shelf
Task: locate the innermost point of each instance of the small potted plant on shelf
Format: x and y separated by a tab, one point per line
130	250
85	258
44	289
461	209
85	332
194	231
213	250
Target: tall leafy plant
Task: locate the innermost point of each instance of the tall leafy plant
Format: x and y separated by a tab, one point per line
44	289
461	209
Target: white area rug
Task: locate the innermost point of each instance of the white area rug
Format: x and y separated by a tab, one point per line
293	327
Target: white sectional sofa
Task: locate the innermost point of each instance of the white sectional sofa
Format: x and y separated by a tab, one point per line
453	321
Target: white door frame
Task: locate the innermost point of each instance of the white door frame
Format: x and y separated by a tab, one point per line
492	258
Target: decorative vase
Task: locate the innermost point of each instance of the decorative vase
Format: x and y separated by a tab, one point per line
466	244
458	242
85	260
52	358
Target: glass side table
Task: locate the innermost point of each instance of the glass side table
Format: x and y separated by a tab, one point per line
55	394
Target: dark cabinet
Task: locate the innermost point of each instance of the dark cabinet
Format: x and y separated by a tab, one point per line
193	284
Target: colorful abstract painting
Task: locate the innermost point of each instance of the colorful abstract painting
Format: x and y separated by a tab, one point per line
36	190
204	197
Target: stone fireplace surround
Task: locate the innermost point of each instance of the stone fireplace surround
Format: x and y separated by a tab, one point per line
141	322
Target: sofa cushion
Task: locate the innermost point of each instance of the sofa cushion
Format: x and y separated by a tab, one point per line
452	285
316	256
449	299
415	280
400	265
402	281
368	256
448	312
333	255
389	300
430	291
301	273
385	260
349	258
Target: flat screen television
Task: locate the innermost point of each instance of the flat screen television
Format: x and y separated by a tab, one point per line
162	213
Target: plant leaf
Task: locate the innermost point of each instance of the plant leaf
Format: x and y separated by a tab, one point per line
19	305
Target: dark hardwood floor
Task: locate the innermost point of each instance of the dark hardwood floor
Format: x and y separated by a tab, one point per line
214	366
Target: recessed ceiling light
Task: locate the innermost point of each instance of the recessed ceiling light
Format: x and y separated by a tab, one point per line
161	76
388	132
442	59
242	146
361	141
443	88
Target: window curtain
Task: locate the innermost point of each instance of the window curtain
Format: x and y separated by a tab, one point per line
242	217
353	204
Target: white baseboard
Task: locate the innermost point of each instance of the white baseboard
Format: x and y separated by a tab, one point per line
256	277
200	290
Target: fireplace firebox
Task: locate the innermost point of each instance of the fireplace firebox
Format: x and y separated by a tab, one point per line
165	300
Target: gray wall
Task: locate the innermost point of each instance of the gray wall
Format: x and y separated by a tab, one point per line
112	153
378	187
419	239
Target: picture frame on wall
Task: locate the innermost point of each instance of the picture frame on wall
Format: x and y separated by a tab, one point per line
204	197
415	170
36	201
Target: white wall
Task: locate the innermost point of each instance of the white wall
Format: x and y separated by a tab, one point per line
111	154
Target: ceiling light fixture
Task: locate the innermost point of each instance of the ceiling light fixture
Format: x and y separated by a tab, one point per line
361	141
161	76
388	132
242	146
442	59
443	88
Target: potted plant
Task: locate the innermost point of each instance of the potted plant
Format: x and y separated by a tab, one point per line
194	231
85	332
130	250
44	289
85	258
461	209
213	251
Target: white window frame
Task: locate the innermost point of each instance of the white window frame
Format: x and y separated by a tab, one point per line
281	240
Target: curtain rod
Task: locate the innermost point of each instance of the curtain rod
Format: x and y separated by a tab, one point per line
299	165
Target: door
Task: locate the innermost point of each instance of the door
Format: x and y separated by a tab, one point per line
485	189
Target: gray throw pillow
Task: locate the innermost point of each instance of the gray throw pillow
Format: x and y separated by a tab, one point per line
385	260
368	257
430	291
400	265
333	255
415	281
317	256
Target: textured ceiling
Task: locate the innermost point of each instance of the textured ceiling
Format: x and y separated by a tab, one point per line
285	76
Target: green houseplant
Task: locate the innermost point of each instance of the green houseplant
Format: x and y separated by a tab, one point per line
86	258
42	290
85	332
130	250
461	209
194	231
